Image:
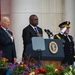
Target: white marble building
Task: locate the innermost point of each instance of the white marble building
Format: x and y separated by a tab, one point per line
49	12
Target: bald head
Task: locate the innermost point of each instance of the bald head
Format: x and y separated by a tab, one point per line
5	22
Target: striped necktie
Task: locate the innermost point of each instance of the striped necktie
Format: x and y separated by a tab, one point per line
36	30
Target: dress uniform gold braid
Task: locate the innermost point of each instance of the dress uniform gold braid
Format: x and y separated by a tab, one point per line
65	26
58	36
74	56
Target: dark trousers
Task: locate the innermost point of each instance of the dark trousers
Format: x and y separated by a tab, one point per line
3	71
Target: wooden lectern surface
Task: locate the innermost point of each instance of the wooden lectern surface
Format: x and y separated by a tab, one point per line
57	64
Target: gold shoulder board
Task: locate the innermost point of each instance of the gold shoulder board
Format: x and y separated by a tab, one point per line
58	36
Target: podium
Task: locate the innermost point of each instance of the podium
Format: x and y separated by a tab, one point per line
53	53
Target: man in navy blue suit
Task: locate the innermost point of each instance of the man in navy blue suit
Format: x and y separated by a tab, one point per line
7	45
32	30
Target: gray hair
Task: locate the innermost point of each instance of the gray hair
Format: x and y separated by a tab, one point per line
4	19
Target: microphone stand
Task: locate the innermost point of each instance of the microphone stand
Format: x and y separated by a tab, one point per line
48	35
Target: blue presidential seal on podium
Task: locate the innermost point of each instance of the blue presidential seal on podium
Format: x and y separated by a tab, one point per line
53	47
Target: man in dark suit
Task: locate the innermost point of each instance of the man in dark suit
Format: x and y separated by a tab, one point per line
6	41
68	43
32	30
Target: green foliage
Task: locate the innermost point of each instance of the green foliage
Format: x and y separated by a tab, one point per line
19	70
4	63
50	69
70	70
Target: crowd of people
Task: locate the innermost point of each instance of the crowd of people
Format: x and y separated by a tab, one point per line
7	44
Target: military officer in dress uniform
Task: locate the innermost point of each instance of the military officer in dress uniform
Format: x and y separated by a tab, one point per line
68	43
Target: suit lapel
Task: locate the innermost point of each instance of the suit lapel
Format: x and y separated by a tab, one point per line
5	33
32	30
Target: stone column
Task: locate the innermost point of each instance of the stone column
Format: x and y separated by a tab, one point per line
69	14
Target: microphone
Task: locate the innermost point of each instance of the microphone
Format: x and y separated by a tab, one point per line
46	31
50	32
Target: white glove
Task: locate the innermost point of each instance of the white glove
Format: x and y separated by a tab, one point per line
63	30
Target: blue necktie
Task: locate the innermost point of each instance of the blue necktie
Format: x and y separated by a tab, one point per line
36	30
8	33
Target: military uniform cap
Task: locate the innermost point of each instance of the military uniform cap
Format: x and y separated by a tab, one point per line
65	24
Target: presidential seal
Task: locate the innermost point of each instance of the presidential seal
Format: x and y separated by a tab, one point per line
53	47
